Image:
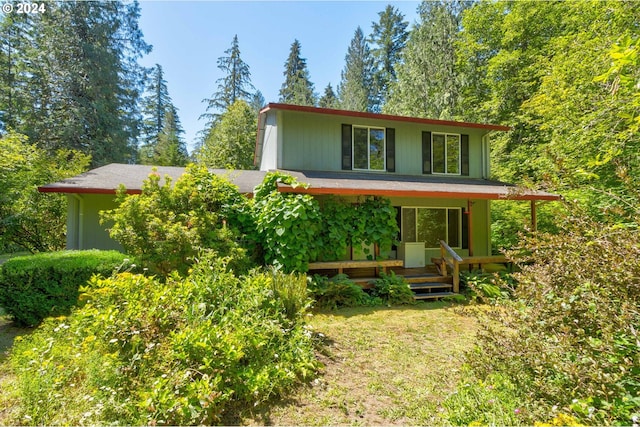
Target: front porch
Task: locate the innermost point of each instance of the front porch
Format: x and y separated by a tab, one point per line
433	281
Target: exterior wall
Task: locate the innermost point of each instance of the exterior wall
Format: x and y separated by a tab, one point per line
270	146
313	142
83	222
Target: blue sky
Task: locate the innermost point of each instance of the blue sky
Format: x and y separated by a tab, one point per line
188	37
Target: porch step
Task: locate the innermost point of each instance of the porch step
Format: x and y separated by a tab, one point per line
428	278
429	286
432	295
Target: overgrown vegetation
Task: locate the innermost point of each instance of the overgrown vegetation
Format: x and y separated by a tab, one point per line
30	220
294	229
567	344
186	351
167	225
340	291
34	287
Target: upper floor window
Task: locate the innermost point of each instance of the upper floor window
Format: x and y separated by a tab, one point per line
445	153
368	148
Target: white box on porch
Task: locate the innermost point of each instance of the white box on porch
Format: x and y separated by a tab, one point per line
412	253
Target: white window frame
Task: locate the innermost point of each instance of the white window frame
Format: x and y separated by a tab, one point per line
353	148
446	154
447	209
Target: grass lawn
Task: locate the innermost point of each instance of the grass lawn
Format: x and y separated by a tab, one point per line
382	367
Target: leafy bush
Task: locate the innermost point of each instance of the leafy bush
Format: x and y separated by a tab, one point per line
287	224
30	220
166	226
184	351
339	291
569	340
486	287
392	289
37	286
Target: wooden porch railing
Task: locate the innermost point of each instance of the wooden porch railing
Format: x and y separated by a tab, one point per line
449	257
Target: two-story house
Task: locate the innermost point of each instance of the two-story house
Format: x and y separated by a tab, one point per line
435	172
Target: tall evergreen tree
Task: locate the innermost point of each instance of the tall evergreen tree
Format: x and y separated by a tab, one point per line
76	78
329	98
233	85
356	86
297	88
155	106
388	38
428	82
171	149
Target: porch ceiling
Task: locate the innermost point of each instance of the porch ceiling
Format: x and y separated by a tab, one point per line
427	186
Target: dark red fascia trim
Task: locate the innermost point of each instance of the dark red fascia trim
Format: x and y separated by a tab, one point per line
359	114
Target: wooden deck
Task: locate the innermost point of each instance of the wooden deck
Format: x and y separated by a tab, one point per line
430	282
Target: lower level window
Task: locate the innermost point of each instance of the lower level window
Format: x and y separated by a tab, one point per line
430	225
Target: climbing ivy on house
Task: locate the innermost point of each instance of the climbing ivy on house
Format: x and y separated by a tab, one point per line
369	221
288	225
294	229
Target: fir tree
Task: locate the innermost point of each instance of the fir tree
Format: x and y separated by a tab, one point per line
234	85
388	38
171	149
297	88
428	83
154	106
356	86
79	82
329	98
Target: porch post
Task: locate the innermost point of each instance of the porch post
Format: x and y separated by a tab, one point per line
534	216
469	227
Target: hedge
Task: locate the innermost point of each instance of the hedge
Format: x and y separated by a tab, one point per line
34	287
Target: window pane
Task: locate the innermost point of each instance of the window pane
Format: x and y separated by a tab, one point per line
360	148
453	154
376	141
454	228
408	225
437	147
432	226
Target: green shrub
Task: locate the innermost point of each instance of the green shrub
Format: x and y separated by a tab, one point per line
339	291
166	227
486	287
569	339
392	289
184	351
37	286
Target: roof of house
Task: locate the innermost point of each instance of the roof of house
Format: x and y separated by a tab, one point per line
107	179
387	117
391	185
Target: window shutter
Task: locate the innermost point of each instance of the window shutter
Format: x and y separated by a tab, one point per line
426	152
464	155
391	149
346	147
465	229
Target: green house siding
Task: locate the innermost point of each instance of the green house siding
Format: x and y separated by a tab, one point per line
313	142
83	222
